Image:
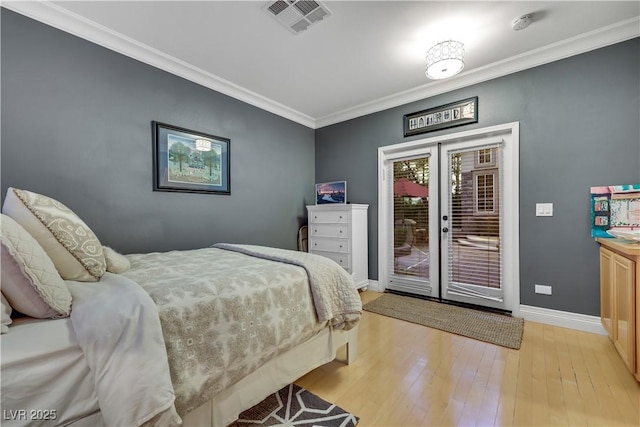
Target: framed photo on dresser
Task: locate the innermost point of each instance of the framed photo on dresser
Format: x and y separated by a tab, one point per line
331	193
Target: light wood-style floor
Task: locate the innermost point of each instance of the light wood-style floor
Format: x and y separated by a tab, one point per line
411	375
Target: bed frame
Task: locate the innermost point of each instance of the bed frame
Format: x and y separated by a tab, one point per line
272	376
224	409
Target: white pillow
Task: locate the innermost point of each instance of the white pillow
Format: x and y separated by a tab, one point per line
6	315
116	262
30	281
74	249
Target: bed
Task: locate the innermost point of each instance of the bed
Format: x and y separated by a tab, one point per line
182	337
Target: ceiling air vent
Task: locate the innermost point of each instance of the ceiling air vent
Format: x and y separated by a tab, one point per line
297	15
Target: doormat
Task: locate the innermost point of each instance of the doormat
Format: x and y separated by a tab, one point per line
293	405
493	328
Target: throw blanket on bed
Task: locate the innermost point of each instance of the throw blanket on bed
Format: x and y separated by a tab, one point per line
224	314
117	327
334	294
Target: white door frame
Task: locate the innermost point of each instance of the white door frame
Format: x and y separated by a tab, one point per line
510	132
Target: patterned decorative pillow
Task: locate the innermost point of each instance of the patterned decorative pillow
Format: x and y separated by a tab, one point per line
30	281
6	315
74	249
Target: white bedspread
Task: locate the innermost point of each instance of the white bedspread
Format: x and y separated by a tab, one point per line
224	315
335	295
45	380
117	327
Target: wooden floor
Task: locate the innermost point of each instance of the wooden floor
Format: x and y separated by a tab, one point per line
411	375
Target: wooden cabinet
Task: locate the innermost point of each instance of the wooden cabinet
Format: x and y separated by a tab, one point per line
606	289
339	232
620	298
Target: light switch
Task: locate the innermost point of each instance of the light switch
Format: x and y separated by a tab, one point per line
544	209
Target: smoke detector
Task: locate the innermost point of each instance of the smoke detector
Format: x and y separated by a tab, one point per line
521	22
297	15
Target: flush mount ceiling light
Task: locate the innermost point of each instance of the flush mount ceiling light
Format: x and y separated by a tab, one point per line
445	60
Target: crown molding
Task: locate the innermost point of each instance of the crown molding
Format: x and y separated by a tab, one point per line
605	36
65	20
72	23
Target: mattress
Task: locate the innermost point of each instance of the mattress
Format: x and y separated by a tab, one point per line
45	380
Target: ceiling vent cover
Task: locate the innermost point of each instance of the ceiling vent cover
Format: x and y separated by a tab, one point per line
297	15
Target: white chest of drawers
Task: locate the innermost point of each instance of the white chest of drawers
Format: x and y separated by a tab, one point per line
339	232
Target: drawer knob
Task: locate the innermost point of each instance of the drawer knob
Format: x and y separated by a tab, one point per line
340	216
340	231
315	244
315	230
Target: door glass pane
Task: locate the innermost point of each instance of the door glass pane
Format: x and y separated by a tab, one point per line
474	239
410	218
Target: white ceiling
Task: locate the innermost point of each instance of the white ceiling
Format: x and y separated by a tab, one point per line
365	57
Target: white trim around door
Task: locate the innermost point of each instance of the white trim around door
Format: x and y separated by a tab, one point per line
509	133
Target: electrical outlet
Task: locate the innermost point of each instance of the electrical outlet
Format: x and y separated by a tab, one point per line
543	289
544	209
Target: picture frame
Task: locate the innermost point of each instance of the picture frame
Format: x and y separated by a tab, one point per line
188	161
334	192
445	116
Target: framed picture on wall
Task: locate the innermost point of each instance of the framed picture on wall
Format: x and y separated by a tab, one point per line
188	161
331	193
446	116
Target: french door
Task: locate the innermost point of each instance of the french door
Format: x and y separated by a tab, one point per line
448	217
413	223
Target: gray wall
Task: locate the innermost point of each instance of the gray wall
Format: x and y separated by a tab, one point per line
578	128
76	125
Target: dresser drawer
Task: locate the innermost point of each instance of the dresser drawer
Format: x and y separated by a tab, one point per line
330	245
328	230
329	217
342	259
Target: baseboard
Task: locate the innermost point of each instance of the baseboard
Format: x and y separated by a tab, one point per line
374	285
563	319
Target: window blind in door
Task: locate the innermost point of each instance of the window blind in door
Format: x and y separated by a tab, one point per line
475	207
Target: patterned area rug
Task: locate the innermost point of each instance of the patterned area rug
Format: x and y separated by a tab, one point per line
294	405
493	328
